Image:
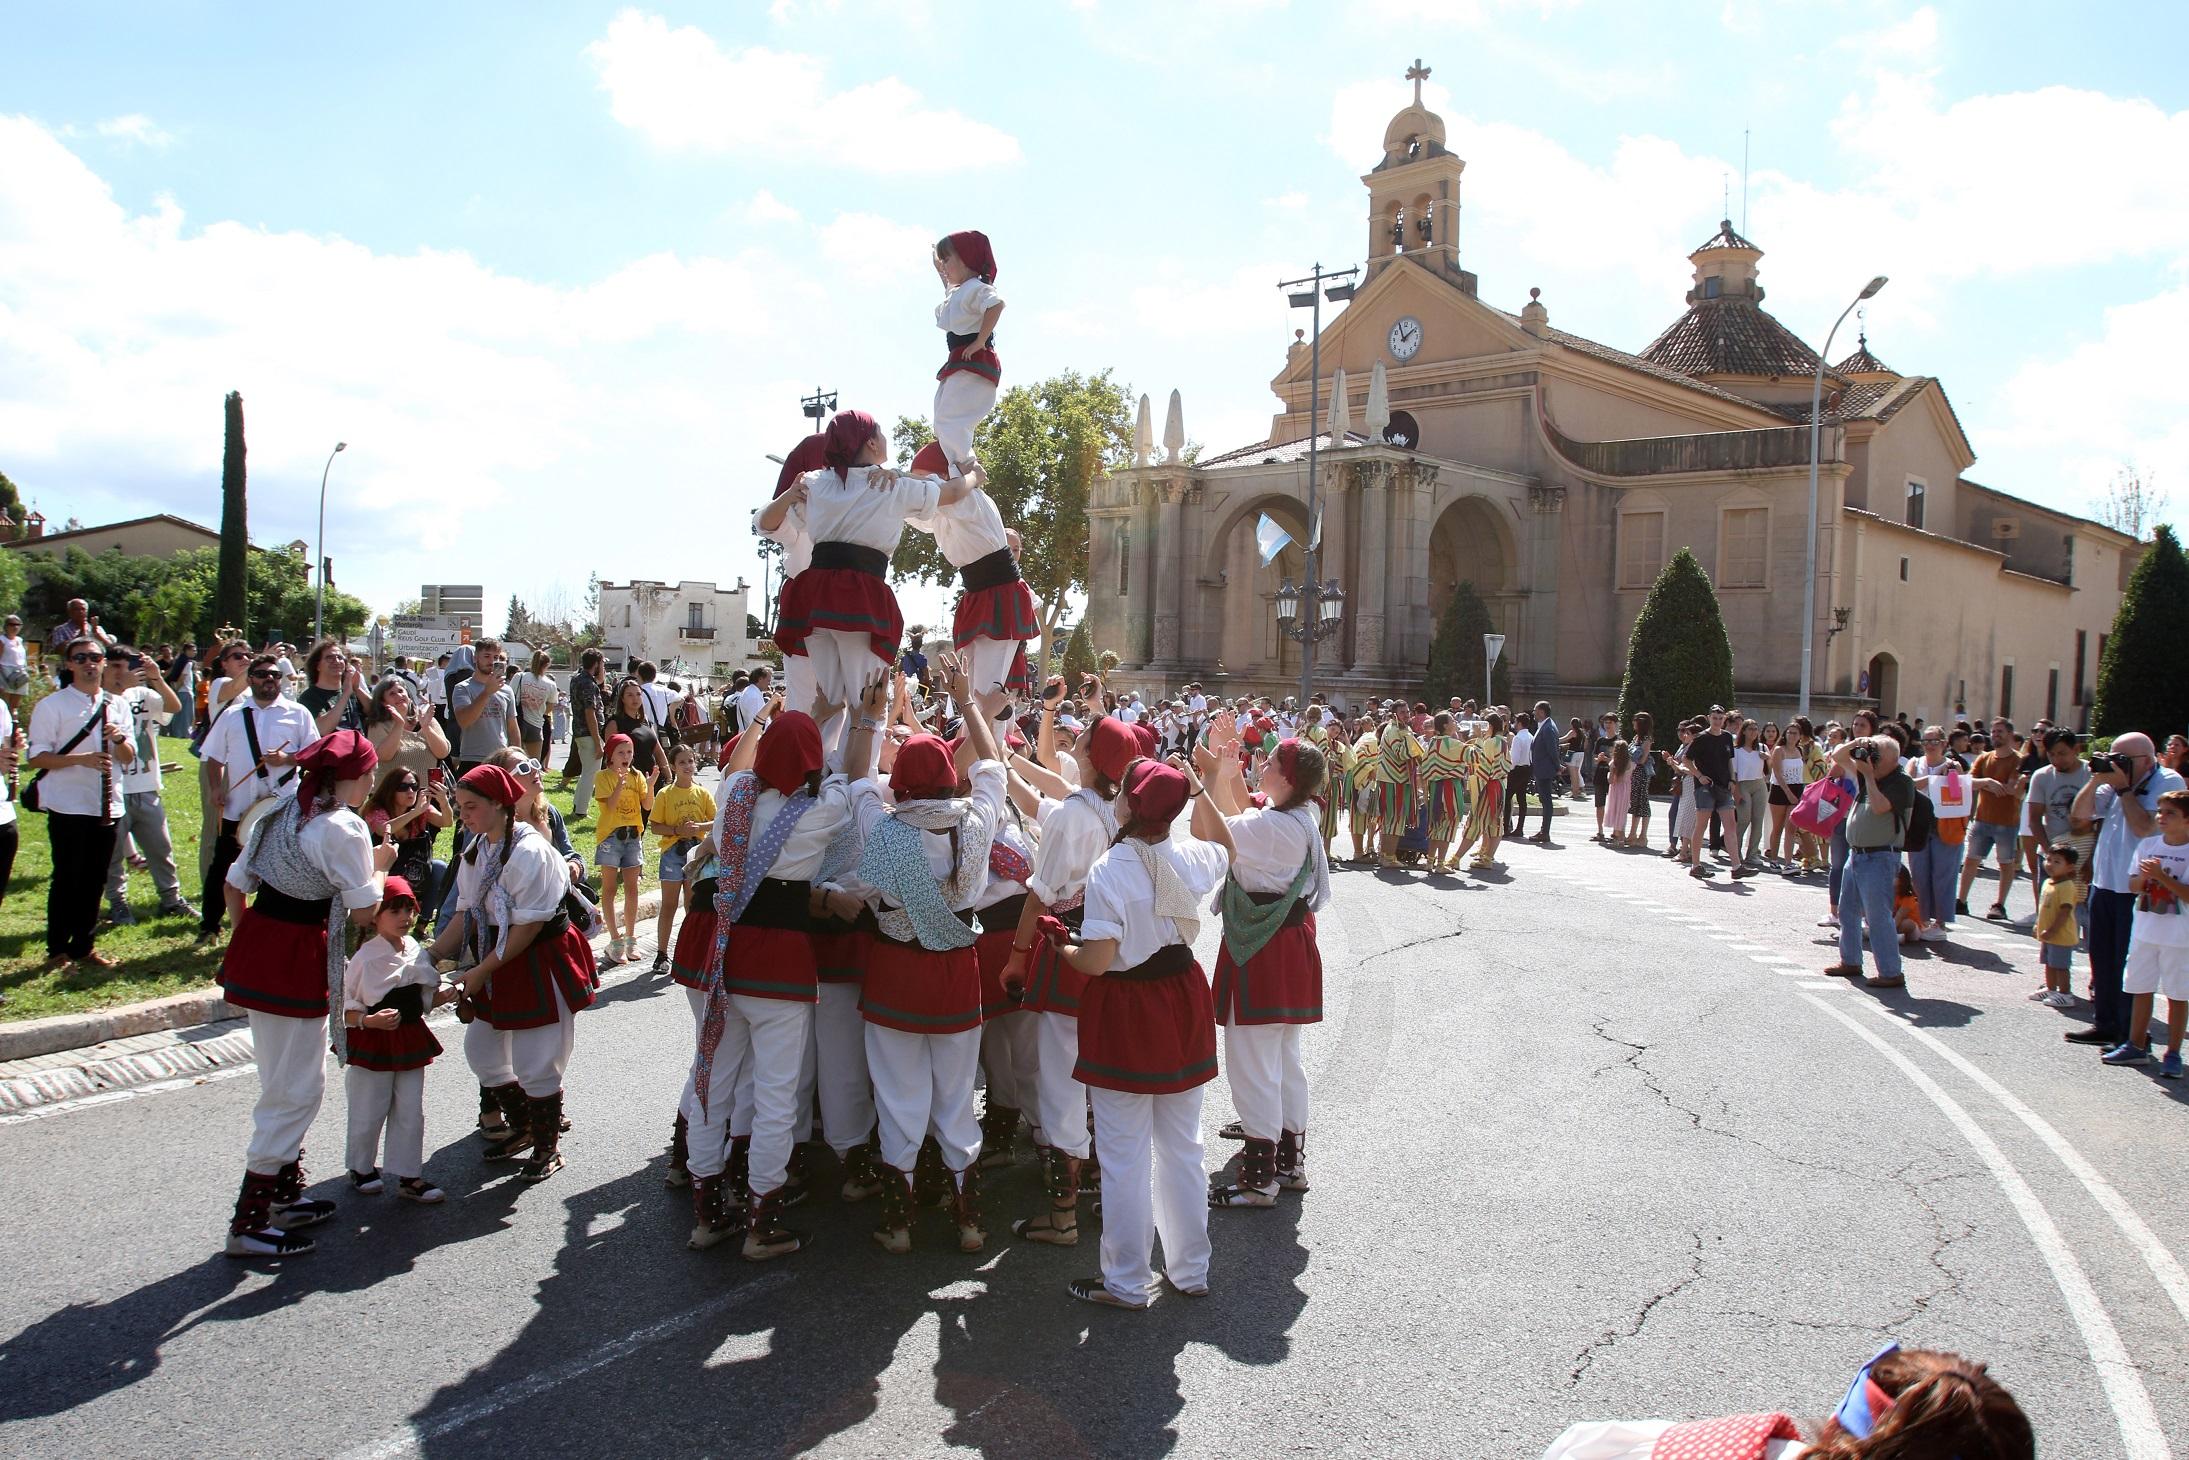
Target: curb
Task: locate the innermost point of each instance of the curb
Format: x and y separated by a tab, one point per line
30	1038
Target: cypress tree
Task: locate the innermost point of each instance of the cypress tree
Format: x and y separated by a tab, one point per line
2141	685
1078	658
1456	653
235	542
1679	662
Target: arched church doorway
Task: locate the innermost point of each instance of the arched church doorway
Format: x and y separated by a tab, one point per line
1472	544
1884	684
1249	643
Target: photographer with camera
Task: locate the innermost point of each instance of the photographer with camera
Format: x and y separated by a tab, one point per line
79	743
484	707
2121	799
1884	798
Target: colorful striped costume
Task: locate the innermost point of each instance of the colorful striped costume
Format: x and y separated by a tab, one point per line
1443	769
1488	763
1360	785
1396	752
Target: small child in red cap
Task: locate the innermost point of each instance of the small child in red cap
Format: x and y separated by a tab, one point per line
388	988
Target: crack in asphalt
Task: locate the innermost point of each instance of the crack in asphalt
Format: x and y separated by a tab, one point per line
1612	1336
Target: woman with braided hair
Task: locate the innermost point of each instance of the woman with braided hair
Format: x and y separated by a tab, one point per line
1905	1404
531	971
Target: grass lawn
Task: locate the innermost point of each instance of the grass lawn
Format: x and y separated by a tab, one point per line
159	956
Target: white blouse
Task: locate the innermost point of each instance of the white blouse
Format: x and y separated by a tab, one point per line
1074	832
379	968
961	310
998	890
531	886
1121	896
802	854
1747	764
869	807
338	844
1268	848
967	530
791	533
847	509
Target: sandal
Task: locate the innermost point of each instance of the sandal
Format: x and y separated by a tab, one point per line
1043	1228
1201	1291
1091	1290
1233	1132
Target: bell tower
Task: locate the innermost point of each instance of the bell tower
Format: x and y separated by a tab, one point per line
1413	194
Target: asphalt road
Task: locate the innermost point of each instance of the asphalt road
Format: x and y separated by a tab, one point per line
1593	1140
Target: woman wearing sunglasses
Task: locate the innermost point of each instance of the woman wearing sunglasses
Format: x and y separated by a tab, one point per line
79	744
409	812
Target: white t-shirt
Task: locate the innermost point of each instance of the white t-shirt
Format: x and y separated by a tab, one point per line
846	509
530	888
1522	748
54	721
1120	896
749	701
797	543
436	682
12	654
1747	764
1074	833
535	694
2159	915
961	310
378	968
1129	713
283	725
147	712
1268	848
967	530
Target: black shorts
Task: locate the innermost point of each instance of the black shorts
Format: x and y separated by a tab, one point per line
1779	797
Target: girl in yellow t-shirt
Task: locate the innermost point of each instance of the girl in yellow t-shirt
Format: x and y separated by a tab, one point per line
683	814
624	797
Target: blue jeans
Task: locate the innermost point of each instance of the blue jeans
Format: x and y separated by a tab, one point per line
1837	858
1933	870
2112	916
1867	889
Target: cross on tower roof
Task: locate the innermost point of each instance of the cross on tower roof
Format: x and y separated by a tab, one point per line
1417	73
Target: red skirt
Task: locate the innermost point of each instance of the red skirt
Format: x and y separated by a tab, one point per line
841	957
405	1047
983	363
1282	984
521	995
790	634
694	944
1005	611
1147	1036
1052	985
993	950
771	963
921	991
276	967
846	600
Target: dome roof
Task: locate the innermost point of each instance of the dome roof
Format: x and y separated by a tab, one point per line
1415	123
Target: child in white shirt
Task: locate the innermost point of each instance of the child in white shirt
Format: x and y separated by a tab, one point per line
387	990
965	390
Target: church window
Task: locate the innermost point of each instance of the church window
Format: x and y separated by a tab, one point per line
1915	501
1712	286
1641	548
1903	570
1124	559
1743	546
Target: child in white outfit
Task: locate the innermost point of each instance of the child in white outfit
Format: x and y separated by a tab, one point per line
387	990
965	390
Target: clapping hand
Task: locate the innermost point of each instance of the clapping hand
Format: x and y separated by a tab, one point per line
956	678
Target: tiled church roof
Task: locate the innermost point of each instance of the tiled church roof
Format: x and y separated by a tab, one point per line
1862	362
1730	336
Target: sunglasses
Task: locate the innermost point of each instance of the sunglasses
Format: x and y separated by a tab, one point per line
87	658
525	767
1862	1404
265	674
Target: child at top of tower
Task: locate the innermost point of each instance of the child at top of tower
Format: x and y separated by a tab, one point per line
965	390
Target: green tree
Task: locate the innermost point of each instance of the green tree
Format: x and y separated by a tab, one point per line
1456	653
11	502
1679	662
1079	657
231	586
14	582
2140	681
1041	448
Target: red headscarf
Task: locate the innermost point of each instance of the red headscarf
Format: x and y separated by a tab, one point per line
494	783
810	454
789	752
848	435
931	460
1112	746
1154	794
1145	734
342	756
397	889
971	249
923	768
729	748
608	746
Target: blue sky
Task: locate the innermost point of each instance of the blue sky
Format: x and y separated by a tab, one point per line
559	273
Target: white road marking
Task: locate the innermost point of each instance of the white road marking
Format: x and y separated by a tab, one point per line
2162	1262
418	1433
2139	1423
1820	983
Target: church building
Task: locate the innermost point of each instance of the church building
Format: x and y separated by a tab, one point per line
1462	442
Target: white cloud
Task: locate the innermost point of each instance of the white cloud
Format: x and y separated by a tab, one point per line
766	207
1291	202
135	127
680	89
872	250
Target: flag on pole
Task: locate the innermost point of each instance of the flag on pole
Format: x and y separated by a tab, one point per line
1269	537
1315	532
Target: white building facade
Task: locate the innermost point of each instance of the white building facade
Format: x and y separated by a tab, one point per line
688	629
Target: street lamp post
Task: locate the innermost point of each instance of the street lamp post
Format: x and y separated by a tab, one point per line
319	597
1318	613
1809	558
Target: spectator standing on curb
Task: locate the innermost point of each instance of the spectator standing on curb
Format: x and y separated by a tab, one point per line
1995	829
588	717
145	694
1878	822
250	755
1751	793
1711	783
2158	951
79	736
2121	800
14	667
485	707
1547	762
1520	777
2053	787
1599	769
336	696
536	695
1947	787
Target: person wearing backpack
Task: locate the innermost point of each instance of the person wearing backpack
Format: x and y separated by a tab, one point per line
1876	827
1946	798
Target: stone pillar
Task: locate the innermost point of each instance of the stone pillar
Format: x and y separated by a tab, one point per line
1365	599
1141	600
1332	655
1167	586
1538	648
1413	617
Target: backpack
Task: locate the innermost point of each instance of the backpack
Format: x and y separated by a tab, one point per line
1823	806
1922	824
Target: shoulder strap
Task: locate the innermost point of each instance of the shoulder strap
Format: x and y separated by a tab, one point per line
258	757
98	713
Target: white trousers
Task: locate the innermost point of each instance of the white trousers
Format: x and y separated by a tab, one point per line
534	1058
923	1083
394	1100
292	1079
1008	1046
839	1040
1268	1082
737	1105
1151	1147
962	400
992	661
841	664
1059	1100
797	685
769	1036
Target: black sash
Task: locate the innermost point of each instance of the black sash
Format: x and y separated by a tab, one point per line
959	342
408	1000
1004	914
992	571
827	926
1167	961
778	903
871	561
1072	917
1294	917
273	903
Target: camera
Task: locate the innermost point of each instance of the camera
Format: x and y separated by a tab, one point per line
2105	764
134	661
1865	754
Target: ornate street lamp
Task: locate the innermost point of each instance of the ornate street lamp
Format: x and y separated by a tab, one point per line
1336	285
1325	611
